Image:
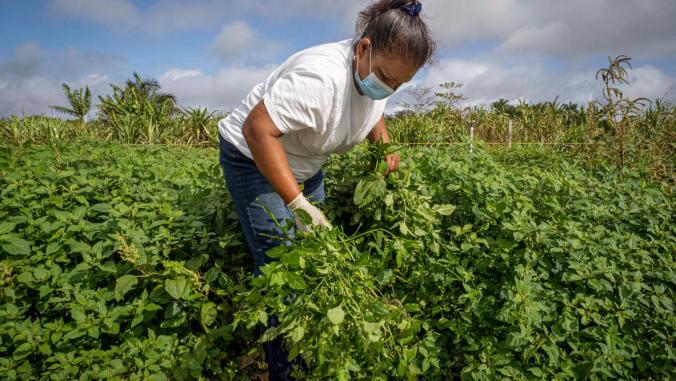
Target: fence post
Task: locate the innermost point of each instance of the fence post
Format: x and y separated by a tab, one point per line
509	134
471	136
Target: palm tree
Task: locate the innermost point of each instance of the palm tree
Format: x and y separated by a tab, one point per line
80	103
139	96
149	88
502	106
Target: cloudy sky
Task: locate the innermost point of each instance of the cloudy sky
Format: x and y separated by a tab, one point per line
210	53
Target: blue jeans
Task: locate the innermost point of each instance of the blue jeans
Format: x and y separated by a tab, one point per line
249	189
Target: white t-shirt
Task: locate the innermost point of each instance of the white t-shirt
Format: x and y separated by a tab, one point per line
313	101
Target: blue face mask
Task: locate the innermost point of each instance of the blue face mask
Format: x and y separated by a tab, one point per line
372	86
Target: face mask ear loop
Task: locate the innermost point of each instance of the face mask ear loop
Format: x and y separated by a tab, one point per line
370	50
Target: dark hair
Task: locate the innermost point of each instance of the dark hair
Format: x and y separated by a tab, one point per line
394	29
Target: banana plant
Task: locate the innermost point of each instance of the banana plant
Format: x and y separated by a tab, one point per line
80	103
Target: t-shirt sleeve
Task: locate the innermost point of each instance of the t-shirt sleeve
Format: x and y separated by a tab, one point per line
299	99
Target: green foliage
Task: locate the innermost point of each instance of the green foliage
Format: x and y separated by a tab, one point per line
460	265
115	264
37	129
128	263
138	112
80	102
637	133
198	126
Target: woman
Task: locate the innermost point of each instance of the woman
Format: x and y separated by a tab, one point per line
322	100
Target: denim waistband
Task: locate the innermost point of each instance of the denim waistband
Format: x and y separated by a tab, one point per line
231	150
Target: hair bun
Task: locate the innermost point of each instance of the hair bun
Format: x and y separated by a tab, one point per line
413	9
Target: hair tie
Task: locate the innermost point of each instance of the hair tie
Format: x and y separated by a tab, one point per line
413	9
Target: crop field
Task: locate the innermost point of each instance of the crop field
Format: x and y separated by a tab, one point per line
126	262
516	241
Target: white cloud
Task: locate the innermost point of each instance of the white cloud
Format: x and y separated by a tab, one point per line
650	82
94	80
31	95
344	12
571	27
160	17
169	15
26	61
223	90
485	82
173	75
234	39
31	80
111	13
32	77
533	37
237	41
527	36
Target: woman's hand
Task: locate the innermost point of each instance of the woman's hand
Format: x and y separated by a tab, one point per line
379	135
307	215
392	163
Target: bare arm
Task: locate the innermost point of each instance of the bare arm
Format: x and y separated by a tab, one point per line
262	136
379	130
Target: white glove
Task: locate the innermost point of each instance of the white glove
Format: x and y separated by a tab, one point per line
299	206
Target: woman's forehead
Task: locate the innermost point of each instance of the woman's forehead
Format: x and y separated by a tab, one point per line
395	67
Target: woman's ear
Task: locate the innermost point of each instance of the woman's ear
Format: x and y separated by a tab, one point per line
362	47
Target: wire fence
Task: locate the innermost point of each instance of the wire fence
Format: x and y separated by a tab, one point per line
515	143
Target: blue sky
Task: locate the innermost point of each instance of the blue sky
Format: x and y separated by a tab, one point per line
210	53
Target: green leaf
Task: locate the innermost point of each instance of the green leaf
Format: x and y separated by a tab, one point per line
276	252
176	321
269	335
295	281
208	313
63	216
297	334
11	309
537	372
138	318
389	199
419	232
123	285
22	351
304	217
15	246
372	331
403	228
292	259
277	279
263	317
369	189
6	227
78	314
172	310
74	334
444	210
336	315
179	288
102	208
412	307
52	248
25	278
571	277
